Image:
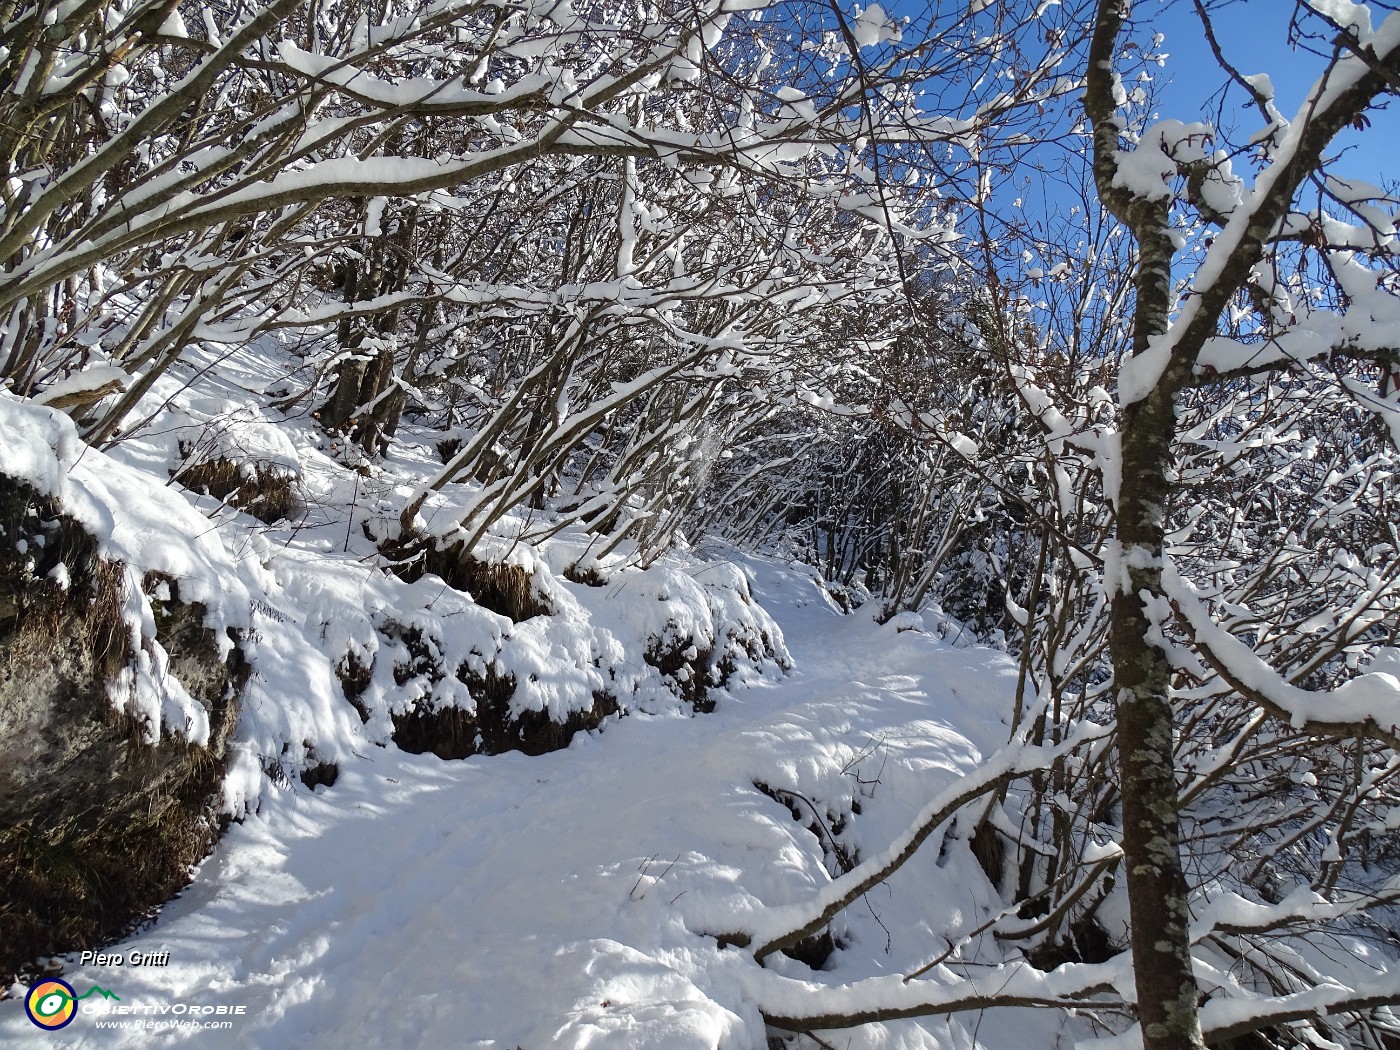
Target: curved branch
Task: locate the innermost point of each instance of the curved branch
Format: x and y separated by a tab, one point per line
787	925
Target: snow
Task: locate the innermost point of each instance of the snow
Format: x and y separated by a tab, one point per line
1147	170
147	528
568	900
560	901
572	900
872	27
1372	697
575	899
1355	17
174	26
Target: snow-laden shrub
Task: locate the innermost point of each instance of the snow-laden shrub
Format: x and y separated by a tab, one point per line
440	670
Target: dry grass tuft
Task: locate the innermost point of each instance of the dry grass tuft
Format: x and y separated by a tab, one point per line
505	589
267	492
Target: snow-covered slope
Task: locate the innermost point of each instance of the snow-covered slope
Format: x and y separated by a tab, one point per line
552	902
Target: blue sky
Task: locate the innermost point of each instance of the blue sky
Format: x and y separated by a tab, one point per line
1253	36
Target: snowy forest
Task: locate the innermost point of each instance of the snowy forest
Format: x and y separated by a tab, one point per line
707	525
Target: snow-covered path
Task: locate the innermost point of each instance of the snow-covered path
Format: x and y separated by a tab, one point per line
542	902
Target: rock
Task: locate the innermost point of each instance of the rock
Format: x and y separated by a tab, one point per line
97	828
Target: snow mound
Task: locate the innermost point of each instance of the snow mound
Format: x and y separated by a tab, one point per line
146	529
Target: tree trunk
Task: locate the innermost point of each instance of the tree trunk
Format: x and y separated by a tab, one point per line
1157	892
336	413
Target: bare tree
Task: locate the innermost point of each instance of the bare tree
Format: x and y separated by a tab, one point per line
1175	344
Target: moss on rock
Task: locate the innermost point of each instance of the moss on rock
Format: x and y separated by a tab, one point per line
97	828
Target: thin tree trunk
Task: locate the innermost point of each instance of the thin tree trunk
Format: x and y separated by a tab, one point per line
1158	904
